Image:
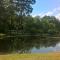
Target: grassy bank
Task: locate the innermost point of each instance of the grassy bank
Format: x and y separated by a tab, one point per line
47	56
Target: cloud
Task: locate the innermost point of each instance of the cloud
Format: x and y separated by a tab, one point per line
58	16
49	13
55	12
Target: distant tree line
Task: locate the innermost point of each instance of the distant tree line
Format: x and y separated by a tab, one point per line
31	25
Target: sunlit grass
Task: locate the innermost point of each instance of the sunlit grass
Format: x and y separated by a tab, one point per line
46	56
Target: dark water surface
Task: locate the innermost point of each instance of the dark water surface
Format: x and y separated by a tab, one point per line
31	44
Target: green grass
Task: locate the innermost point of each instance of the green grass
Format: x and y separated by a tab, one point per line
47	56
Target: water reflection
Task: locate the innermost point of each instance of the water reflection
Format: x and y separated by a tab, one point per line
47	49
29	44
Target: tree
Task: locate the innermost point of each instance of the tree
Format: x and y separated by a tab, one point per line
22	8
6	15
50	24
2	15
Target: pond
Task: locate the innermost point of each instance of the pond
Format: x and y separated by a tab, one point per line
30	44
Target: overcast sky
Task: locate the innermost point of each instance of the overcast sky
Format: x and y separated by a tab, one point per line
46	7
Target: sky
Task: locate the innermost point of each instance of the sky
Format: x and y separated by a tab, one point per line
46	7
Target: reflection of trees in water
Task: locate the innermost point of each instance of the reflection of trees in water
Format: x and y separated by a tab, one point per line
25	44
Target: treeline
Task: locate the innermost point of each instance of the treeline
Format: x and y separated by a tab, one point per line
45	25
31	25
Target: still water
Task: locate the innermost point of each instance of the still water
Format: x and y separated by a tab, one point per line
30	44
46	49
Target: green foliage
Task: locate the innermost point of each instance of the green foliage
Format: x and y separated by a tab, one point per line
22	7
